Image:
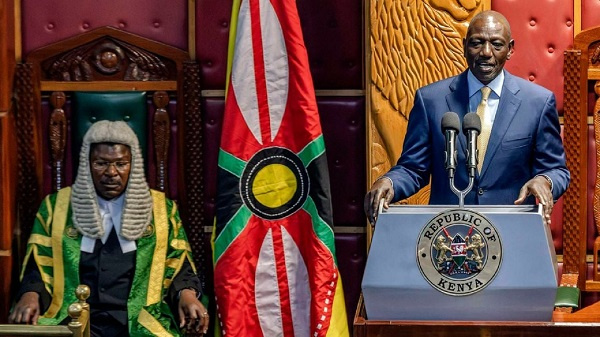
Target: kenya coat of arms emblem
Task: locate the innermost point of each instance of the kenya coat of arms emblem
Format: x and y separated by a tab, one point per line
459	252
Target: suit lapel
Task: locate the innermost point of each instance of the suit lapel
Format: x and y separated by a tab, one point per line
507	109
458	101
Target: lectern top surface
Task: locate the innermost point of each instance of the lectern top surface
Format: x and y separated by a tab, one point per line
488	209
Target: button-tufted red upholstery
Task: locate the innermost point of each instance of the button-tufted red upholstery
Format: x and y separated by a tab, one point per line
542	30
589	14
45	22
332	35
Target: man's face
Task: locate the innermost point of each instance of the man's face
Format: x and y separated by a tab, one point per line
110	165
487	47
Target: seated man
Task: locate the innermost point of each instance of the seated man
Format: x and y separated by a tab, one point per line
112	233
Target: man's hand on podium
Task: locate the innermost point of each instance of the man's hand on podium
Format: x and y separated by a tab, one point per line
541	188
382	189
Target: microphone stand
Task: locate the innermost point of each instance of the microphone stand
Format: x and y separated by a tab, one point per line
461	194
471	128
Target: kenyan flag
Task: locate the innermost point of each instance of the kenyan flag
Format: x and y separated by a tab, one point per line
274	254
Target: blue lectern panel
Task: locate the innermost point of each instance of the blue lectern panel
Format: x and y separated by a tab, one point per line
523	289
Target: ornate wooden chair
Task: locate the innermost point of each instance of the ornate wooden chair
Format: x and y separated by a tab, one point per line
581	240
107	73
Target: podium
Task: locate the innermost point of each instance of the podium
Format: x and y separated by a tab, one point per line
518	301
407	280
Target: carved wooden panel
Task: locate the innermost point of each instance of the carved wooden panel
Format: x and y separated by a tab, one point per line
573	137
58	139
413	43
108	58
193	211
28	189
597	142
162	133
594	55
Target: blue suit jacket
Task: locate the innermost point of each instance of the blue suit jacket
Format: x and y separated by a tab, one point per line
525	141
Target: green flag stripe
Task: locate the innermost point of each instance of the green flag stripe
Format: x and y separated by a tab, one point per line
321	228
231	163
231	230
312	150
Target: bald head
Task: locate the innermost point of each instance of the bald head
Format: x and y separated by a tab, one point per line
491	16
488	45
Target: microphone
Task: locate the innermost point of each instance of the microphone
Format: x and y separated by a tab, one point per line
471	128
450	127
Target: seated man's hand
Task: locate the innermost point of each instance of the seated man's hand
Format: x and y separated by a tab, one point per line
191	312
27	310
539	187
381	189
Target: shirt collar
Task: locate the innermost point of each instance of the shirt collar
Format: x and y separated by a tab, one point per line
111	206
474	84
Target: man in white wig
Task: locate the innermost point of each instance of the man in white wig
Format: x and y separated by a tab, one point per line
118	236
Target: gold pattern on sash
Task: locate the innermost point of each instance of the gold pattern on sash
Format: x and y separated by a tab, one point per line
71	232
157	270
59	221
148	232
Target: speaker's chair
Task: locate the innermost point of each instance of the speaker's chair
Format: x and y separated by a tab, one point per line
107	73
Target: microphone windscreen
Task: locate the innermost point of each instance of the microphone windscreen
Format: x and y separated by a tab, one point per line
471	122
450	120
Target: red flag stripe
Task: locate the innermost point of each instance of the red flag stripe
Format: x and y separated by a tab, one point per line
282	278
259	72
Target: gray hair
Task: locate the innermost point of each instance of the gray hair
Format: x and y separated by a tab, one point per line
137	207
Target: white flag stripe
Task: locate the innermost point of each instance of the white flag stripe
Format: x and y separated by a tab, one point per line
243	80
266	288
276	64
300	294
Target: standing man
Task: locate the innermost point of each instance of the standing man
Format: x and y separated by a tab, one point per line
521	156
112	233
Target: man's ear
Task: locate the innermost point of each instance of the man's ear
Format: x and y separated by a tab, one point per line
511	49
464	47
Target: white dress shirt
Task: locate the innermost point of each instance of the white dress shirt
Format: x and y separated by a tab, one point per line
110	212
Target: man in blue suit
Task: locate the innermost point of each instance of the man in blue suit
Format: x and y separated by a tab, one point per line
525	158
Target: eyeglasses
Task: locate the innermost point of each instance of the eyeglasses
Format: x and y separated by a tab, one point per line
101	165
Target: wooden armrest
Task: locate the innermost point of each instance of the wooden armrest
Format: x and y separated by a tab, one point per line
78	327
